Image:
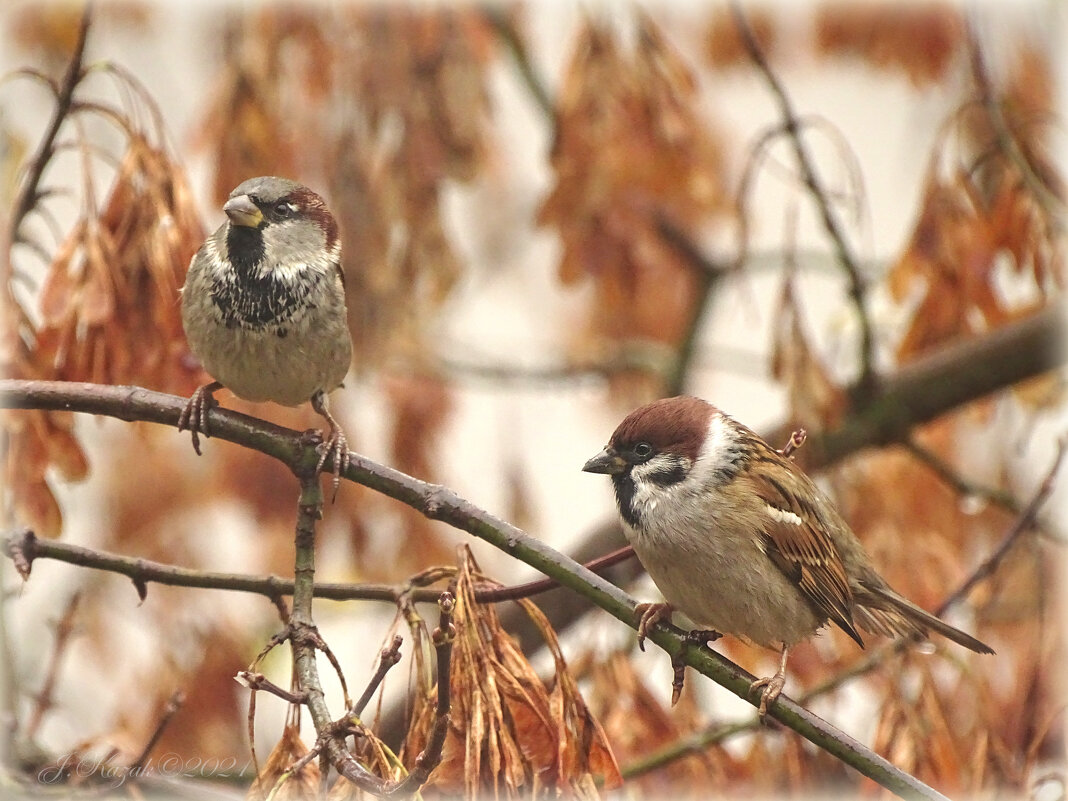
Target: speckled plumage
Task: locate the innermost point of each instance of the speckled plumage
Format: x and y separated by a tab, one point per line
740	540
264	307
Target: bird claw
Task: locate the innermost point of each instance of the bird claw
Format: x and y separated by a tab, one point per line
771	687
194	416
335	448
648	615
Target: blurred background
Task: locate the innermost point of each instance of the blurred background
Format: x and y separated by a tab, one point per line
551	213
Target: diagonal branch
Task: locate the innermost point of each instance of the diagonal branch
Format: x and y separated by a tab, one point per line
438	503
30	191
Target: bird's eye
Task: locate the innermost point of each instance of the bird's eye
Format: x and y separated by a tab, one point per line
643	450
284	209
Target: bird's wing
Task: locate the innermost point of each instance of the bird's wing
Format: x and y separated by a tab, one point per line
798	545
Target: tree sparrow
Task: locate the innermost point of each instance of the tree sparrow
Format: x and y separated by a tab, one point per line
263	307
739	539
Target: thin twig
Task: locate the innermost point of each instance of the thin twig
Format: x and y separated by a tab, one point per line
29	190
709	276
957	482
23	547
430	756
865	384
387	659
498	17
44	701
1024	522
174	703
258	682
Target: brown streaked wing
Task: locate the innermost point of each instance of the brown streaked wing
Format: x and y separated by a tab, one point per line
807	556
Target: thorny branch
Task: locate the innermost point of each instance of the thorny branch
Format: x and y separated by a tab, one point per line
865	385
438	503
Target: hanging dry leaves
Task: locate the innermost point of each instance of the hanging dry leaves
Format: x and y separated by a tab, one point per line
724	48
919	39
631	151
276	781
109	308
959	242
414	118
510	735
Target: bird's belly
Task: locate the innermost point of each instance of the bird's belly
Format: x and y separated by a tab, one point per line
260	365
730	585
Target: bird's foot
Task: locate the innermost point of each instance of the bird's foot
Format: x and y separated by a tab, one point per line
194	416
648	615
771	687
334	447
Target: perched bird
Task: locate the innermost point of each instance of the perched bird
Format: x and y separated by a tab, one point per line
740	540
263	307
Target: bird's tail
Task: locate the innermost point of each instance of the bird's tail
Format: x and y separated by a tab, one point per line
883	603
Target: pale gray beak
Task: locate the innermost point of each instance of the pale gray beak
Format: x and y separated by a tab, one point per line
608	462
242	211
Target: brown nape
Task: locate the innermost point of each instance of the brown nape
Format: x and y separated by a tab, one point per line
676	424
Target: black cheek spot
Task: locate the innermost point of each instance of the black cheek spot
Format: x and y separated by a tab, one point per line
282	333
668	475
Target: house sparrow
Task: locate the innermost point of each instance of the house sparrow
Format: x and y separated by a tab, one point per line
263	307
739	539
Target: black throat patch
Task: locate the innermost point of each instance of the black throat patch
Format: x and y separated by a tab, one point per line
624	486
249	298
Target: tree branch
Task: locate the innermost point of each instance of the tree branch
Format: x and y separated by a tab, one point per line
438	503
23	547
29	190
937	383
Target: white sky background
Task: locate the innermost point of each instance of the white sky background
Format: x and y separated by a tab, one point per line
511	287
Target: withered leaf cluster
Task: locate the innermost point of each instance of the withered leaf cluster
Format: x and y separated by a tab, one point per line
992	217
630	152
108	311
511	734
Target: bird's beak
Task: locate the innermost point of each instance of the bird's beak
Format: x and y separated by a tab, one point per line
607	461
242	211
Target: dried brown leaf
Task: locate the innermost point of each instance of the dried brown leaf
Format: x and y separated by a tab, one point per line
302	785
920	40
631	150
508	734
723	46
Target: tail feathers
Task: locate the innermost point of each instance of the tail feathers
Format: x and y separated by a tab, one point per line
885	612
